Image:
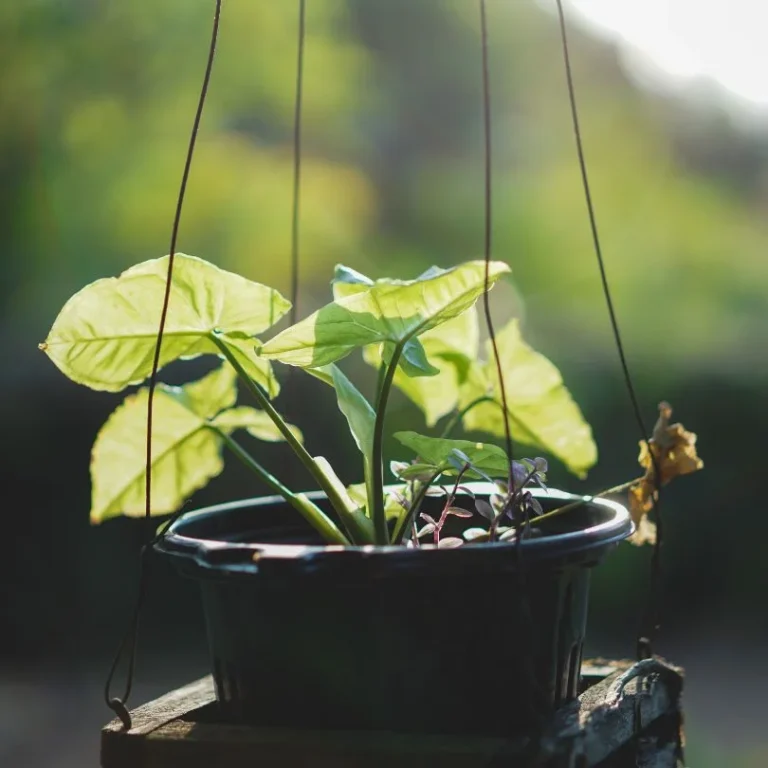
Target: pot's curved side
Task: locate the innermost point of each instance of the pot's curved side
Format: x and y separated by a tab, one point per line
461	640
264	534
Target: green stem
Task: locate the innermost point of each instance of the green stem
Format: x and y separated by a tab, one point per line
410	514
311	513
581	502
459	415
300	451
376	486
380	374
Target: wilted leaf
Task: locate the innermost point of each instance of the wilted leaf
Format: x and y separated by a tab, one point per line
105	335
540	408
673	447
393	311
674	450
641	500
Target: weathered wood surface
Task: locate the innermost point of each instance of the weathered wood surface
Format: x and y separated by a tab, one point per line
628	716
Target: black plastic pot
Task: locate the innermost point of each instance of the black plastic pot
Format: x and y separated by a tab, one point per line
387	638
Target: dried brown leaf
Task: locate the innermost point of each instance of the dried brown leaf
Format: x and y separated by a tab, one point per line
672	449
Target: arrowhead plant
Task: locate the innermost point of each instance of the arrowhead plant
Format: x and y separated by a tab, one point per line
422	335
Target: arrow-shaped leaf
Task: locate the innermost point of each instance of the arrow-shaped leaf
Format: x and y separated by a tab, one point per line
105	335
389	311
541	410
186	452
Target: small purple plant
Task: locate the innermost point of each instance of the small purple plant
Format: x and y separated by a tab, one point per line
504	514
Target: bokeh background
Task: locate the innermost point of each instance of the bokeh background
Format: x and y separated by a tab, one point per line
96	102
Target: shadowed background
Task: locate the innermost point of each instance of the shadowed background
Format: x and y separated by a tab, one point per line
96	102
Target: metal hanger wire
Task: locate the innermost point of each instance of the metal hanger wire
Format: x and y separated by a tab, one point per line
129	641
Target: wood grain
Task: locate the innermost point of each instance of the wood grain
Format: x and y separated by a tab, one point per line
600	727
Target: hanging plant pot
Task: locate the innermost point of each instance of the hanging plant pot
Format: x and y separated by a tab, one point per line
425	640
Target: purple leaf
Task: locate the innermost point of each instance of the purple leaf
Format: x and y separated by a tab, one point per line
451	542
427	529
428	519
475	534
458	512
519	474
485	509
497	502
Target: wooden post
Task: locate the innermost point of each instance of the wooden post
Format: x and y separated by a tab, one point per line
627	716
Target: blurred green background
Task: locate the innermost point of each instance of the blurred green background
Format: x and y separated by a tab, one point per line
96	103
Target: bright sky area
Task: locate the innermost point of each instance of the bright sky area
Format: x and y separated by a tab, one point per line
726	42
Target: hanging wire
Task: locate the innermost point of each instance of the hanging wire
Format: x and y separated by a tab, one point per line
297	162
537	696
644	643
118	705
488	230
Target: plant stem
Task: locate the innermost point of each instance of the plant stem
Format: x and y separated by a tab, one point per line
510	505
302	453
376	490
581	502
409	516
448	504
459	415
311	513
380	374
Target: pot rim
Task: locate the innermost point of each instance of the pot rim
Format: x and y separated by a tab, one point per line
230	556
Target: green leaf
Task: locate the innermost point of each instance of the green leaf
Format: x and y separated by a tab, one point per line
541	411
359	414
393	509
361	419
185	456
439	452
257	423
452	348
208	396
413	359
256	367
394	311
186	453
105	335
347	281
420	471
